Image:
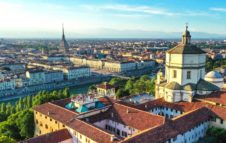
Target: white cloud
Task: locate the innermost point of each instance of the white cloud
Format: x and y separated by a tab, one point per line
128	8
143	10
218	9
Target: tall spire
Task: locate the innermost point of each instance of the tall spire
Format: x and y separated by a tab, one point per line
63	44
186	37
63	31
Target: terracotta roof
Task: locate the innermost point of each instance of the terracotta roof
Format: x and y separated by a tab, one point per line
56	112
91	131
189	120
149	125
216	97
129	116
184	106
158	134
172	128
54	137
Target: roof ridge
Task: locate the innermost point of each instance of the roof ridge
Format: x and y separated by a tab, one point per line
189	112
143	131
94	126
139	110
62	108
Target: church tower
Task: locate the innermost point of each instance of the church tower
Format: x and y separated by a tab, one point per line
64	47
185	63
184	73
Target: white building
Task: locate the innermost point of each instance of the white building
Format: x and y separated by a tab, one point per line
53	76
77	72
35	76
6	84
184	74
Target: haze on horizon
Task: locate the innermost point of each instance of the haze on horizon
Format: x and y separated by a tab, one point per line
111	19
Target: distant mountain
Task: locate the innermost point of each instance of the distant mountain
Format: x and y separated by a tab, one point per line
112	33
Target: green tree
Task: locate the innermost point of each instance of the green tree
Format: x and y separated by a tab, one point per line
218	133
92	87
117	82
3	116
25	123
5	139
144	78
9	129
66	93
139	87
129	85
3	107
121	93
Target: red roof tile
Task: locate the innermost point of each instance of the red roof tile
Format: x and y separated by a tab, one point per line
54	137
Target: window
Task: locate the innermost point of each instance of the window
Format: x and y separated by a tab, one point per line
222	121
46	126
80	136
124	134
174	139
118	132
174	74
188	74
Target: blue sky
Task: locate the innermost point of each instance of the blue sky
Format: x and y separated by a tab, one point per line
110	18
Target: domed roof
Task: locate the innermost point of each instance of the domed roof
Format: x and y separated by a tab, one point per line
213	74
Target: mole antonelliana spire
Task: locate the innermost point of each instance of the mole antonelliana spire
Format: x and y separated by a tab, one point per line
64	47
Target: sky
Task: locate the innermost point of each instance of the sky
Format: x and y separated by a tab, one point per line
111	18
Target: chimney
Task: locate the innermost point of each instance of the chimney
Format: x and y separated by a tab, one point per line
112	138
48	113
127	111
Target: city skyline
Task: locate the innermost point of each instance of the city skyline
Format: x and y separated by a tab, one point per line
111	19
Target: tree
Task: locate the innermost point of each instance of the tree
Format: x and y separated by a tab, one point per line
218	133
139	87
92	88
25	123
5	139
3	107
117	82
121	93
66	93
129	85
3	116
144	78
9	129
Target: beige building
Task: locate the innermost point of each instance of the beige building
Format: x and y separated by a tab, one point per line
105	89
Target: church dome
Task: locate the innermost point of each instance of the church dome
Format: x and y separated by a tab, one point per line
215	78
213	75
